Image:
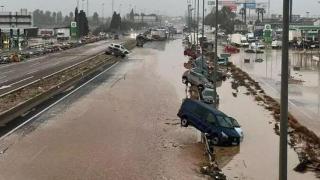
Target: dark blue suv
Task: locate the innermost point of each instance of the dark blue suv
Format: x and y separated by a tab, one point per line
219	127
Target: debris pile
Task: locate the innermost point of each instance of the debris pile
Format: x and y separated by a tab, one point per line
305	142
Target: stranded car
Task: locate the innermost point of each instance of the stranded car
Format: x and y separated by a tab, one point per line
221	129
207	96
196	79
117	50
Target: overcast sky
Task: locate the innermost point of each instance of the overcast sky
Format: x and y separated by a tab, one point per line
169	7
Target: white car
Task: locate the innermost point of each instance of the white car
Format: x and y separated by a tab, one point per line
117	50
196	79
207	96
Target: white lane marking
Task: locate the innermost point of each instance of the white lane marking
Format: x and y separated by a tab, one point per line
55	103
2	77
38	153
7	72
10	85
32	72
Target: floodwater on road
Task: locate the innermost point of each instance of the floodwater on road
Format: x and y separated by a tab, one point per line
304	90
123	125
257	157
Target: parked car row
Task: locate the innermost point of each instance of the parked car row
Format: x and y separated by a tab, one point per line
39	50
219	128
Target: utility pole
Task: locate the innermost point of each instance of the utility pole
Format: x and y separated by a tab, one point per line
198	20
112	7
283	154
88	8
290	11
102	13
215	70
194	28
202	57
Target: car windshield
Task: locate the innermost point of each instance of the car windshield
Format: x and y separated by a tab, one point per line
208	93
225	122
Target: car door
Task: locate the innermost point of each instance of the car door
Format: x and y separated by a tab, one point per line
200	120
211	123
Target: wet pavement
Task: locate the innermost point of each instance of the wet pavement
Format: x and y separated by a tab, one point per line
304	90
122	125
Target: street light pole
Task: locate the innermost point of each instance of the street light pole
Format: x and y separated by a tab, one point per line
194	27
198	20
283	154
202	33
215	70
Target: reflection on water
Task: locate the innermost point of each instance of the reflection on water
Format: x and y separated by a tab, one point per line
304	90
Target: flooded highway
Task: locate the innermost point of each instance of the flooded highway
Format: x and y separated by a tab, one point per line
304	88
123	125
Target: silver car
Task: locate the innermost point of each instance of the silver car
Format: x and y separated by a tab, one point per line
196	79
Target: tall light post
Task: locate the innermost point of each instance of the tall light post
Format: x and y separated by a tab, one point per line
202	57
283	153
102	13
194	28
198	20
215	70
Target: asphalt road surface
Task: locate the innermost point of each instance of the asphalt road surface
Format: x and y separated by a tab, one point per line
122	125
16	75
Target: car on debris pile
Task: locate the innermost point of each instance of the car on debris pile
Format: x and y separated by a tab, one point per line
207	96
220	128
117	50
196	79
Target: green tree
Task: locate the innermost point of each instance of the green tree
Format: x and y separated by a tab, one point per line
226	19
115	21
95	19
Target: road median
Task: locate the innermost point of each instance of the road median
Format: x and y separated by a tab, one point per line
19	101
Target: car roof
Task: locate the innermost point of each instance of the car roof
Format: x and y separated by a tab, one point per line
210	107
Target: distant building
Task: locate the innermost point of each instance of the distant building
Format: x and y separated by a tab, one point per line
16	20
148	19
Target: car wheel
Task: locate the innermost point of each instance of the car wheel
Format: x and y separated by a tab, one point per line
185	80
201	88
184	122
215	140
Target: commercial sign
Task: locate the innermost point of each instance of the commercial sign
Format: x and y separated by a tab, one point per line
267	34
74	29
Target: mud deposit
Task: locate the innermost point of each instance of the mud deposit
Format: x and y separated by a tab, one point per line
305	142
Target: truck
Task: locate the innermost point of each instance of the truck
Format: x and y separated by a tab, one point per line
239	40
276	44
63	34
159	34
251	38
294	35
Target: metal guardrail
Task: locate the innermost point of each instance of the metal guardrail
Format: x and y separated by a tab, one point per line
25	106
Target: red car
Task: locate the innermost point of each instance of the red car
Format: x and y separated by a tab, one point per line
190	53
231	49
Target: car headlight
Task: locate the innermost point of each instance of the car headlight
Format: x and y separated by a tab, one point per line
224	135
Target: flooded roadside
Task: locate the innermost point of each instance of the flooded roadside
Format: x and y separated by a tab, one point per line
304	87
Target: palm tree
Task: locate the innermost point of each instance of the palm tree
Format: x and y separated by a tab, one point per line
260	11
242	12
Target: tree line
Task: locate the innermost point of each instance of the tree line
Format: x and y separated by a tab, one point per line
49	19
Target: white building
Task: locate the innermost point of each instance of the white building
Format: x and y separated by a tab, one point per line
148	19
16	20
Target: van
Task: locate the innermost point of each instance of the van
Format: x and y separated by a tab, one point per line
219	127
